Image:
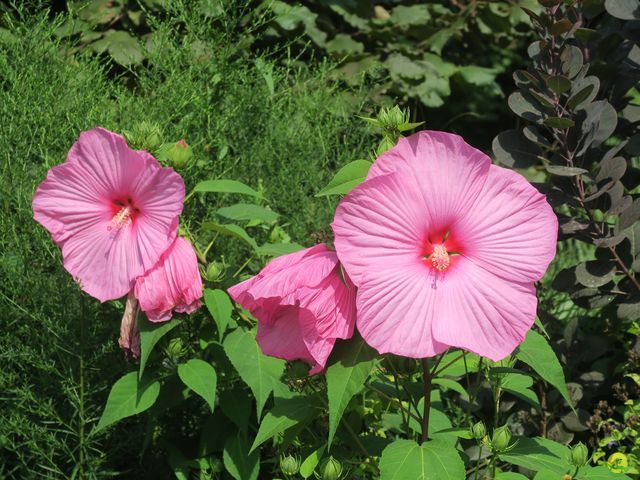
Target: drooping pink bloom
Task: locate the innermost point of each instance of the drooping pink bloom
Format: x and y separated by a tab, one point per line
444	249
112	210
173	284
303	304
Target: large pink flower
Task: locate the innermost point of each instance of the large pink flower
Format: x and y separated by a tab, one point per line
112	210
444	249
303	303
173	284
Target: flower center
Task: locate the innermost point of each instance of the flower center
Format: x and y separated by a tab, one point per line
440	258
124	214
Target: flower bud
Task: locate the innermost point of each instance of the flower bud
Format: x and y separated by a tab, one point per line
179	154
330	469
175	347
144	136
289	465
579	455
215	271
478	430
501	438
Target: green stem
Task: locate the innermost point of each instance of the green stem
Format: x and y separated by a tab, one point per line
81	436
242	267
426	382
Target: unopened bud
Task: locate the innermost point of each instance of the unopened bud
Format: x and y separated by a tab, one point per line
501	438
144	136
330	469
289	465
180	154
579	455
478	431
215	271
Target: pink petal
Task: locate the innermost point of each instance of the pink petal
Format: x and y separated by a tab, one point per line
282	338
511	230
379	224
173	284
397	310
449	172
480	312
76	201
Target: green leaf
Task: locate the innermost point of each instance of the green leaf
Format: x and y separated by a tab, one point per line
226	186
558	122
231	230
350	365
150	334
513	149
565	171
277	249
127	397
248	211
449	384
238	462
261	373
348	177
520	385
558	84
510	476
539	454
311	462
536	352
623	9
286	413
220	308
200	377
601	473
433	460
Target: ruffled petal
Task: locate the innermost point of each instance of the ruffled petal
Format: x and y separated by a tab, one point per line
173	284
282	338
510	230
449	172
480	312
397	309
380	224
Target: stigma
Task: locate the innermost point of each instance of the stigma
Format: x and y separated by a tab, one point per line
440	258
121	219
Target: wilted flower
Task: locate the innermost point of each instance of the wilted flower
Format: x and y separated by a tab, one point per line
444	249
173	284
303	304
112	210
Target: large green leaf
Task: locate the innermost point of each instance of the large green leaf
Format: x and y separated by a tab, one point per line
286	413
241	464
128	396
231	230
261	373
351	364
536	352
539	454
200	377
601	473
433	460
347	178
248	211
311	462
277	249
150	334
220	308
520	385
226	186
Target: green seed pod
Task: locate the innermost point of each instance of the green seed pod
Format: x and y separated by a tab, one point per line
579	455
330	469
478	430
501	438
289	465
144	136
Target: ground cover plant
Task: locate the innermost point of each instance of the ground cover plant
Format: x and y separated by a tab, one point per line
307	281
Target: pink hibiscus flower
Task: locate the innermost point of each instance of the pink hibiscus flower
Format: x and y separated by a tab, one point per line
112	210
173	284
302	303
444	249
